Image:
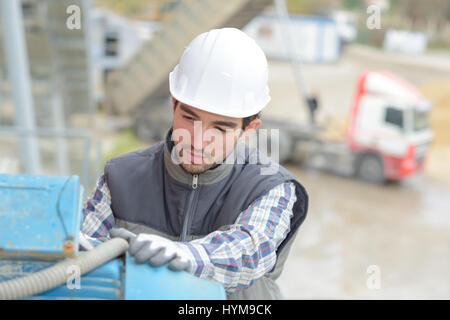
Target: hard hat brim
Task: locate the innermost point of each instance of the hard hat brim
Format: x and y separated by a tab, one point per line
213	109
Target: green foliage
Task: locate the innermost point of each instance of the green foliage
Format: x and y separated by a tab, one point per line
353	4
125	6
310	6
125	142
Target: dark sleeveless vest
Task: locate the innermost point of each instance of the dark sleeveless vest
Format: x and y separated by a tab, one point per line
150	193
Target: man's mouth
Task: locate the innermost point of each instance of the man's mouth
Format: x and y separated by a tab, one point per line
196	158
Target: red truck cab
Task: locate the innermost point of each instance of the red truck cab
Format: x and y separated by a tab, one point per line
388	129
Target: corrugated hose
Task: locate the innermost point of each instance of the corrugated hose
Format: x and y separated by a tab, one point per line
56	275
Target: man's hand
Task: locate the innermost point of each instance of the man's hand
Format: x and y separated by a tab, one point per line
87	243
154	249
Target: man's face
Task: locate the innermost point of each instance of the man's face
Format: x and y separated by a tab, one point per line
203	139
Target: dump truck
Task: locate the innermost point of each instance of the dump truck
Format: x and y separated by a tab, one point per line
387	134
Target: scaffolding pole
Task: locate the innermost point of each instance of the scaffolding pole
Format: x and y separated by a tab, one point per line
289	42
19	74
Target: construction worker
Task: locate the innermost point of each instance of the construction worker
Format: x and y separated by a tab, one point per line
313	105
199	200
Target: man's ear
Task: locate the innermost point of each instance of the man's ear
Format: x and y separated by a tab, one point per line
174	102
252	126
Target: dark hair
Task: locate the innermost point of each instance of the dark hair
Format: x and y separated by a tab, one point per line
245	121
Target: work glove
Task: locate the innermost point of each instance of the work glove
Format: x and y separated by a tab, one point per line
87	243
154	249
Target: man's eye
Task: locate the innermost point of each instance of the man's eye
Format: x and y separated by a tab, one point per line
187	117
221	130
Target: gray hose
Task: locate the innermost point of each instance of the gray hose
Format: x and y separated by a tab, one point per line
56	275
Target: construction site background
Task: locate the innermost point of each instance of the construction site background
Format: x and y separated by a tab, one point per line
401	228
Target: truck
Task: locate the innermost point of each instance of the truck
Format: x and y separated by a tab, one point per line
387	134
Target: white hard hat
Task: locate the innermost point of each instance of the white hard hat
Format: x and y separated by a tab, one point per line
222	71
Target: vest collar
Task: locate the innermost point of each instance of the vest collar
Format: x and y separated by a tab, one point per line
210	176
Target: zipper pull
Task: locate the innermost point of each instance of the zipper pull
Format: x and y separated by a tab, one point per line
195	181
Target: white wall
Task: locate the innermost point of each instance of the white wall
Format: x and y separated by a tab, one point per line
316	39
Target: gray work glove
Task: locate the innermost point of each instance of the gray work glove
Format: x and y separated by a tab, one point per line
87	243
154	249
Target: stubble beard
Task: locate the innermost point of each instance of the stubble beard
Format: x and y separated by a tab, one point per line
196	168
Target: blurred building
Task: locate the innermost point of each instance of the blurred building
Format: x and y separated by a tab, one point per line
316	39
346	23
59	60
114	41
405	41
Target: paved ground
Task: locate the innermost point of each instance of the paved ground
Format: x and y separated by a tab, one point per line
402	229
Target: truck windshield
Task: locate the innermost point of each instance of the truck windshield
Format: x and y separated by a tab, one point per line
420	120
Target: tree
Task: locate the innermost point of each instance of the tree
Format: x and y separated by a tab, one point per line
311	6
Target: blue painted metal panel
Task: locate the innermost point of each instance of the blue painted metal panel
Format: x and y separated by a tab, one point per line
86	292
11	269
33	230
105	282
146	282
39	213
140	282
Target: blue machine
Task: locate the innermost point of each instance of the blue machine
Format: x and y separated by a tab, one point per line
40	218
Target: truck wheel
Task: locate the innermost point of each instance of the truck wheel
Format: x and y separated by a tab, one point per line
370	169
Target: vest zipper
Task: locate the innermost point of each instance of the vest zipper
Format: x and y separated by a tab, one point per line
189	211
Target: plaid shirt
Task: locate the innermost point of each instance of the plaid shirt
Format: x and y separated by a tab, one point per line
236	256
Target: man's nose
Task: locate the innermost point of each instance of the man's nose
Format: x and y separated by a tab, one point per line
198	140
